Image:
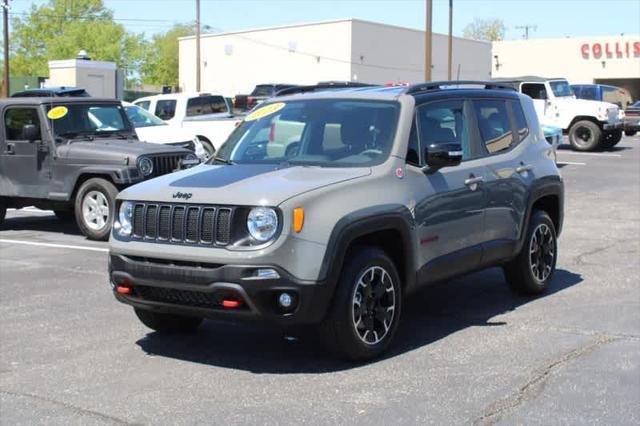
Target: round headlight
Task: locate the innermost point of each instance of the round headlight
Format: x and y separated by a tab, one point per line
262	223
191	157
145	165
124	217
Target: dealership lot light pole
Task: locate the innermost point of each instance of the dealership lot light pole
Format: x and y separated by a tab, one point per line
197	45
5	22
450	39
427	40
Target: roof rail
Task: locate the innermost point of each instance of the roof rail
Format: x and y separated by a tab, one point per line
437	85
323	85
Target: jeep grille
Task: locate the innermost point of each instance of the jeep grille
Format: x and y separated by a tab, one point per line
165	164
182	224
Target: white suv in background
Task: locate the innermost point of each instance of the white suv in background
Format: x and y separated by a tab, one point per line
590	125
207	115
151	129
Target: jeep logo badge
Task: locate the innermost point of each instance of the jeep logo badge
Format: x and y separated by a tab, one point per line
183	195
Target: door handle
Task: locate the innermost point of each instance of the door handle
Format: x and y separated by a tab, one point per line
473	180
524	168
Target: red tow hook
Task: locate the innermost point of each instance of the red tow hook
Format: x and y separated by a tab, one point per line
231	303
124	288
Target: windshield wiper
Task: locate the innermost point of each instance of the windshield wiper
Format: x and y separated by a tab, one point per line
74	135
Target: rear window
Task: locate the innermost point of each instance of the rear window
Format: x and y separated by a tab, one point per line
166	109
494	124
203	105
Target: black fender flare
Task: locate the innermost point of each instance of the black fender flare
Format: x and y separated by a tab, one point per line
548	185
359	223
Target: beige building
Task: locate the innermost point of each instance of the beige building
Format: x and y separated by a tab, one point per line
96	77
613	60
348	49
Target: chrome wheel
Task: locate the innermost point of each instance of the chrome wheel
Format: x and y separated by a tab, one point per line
95	210
542	251
373	305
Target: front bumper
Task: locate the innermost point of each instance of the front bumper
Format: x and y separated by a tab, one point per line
613	126
198	289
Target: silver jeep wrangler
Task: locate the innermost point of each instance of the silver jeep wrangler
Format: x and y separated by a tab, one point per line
328	207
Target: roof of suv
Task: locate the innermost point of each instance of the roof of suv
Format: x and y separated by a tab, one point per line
48	100
527	78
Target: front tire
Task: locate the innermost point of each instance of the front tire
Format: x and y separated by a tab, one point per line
168	323
585	135
95	208
365	310
532	270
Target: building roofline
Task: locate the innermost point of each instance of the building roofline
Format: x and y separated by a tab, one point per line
579	38
326	22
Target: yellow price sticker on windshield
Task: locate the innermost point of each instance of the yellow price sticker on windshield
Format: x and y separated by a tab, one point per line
264	111
57	112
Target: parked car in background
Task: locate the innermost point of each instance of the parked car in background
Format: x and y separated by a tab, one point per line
590	125
150	128
207	115
260	93
632	119
554	136
391	189
603	92
73	155
60	91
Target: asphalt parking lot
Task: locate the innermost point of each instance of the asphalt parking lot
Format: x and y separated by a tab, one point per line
466	352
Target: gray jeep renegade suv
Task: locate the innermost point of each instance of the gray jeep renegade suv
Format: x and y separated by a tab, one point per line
328	207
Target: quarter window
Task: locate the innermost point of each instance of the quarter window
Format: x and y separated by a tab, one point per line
16	119
522	129
442	123
166	109
494	124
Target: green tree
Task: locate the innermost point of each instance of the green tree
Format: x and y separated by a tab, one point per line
485	29
61	28
160	64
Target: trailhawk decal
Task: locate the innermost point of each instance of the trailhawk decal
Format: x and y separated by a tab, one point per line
57	112
264	111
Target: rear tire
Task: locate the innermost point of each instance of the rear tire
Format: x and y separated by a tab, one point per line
3	211
168	323
630	132
95	208
365	310
532	270
611	139
585	135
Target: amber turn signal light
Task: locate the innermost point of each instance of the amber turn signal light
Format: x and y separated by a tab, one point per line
298	219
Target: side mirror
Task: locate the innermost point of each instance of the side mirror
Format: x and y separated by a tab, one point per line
31	132
443	155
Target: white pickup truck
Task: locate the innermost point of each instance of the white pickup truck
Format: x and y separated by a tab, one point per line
206	115
590	125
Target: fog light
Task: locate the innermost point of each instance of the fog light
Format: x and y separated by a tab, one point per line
285	300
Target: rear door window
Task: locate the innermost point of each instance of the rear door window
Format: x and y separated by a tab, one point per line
494	124
166	109
203	105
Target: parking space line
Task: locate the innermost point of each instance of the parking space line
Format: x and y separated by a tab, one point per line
63	246
571	163
595	154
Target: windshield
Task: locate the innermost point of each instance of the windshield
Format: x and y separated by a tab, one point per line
73	120
142	118
561	88
322	132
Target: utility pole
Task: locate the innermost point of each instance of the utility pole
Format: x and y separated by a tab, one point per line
5	21
526	29
427	40
450	39
197	45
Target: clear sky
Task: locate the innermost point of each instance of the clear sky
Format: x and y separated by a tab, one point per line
553	18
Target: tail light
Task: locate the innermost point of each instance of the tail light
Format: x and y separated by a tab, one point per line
249	100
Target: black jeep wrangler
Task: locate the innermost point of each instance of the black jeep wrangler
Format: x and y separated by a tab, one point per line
73	156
